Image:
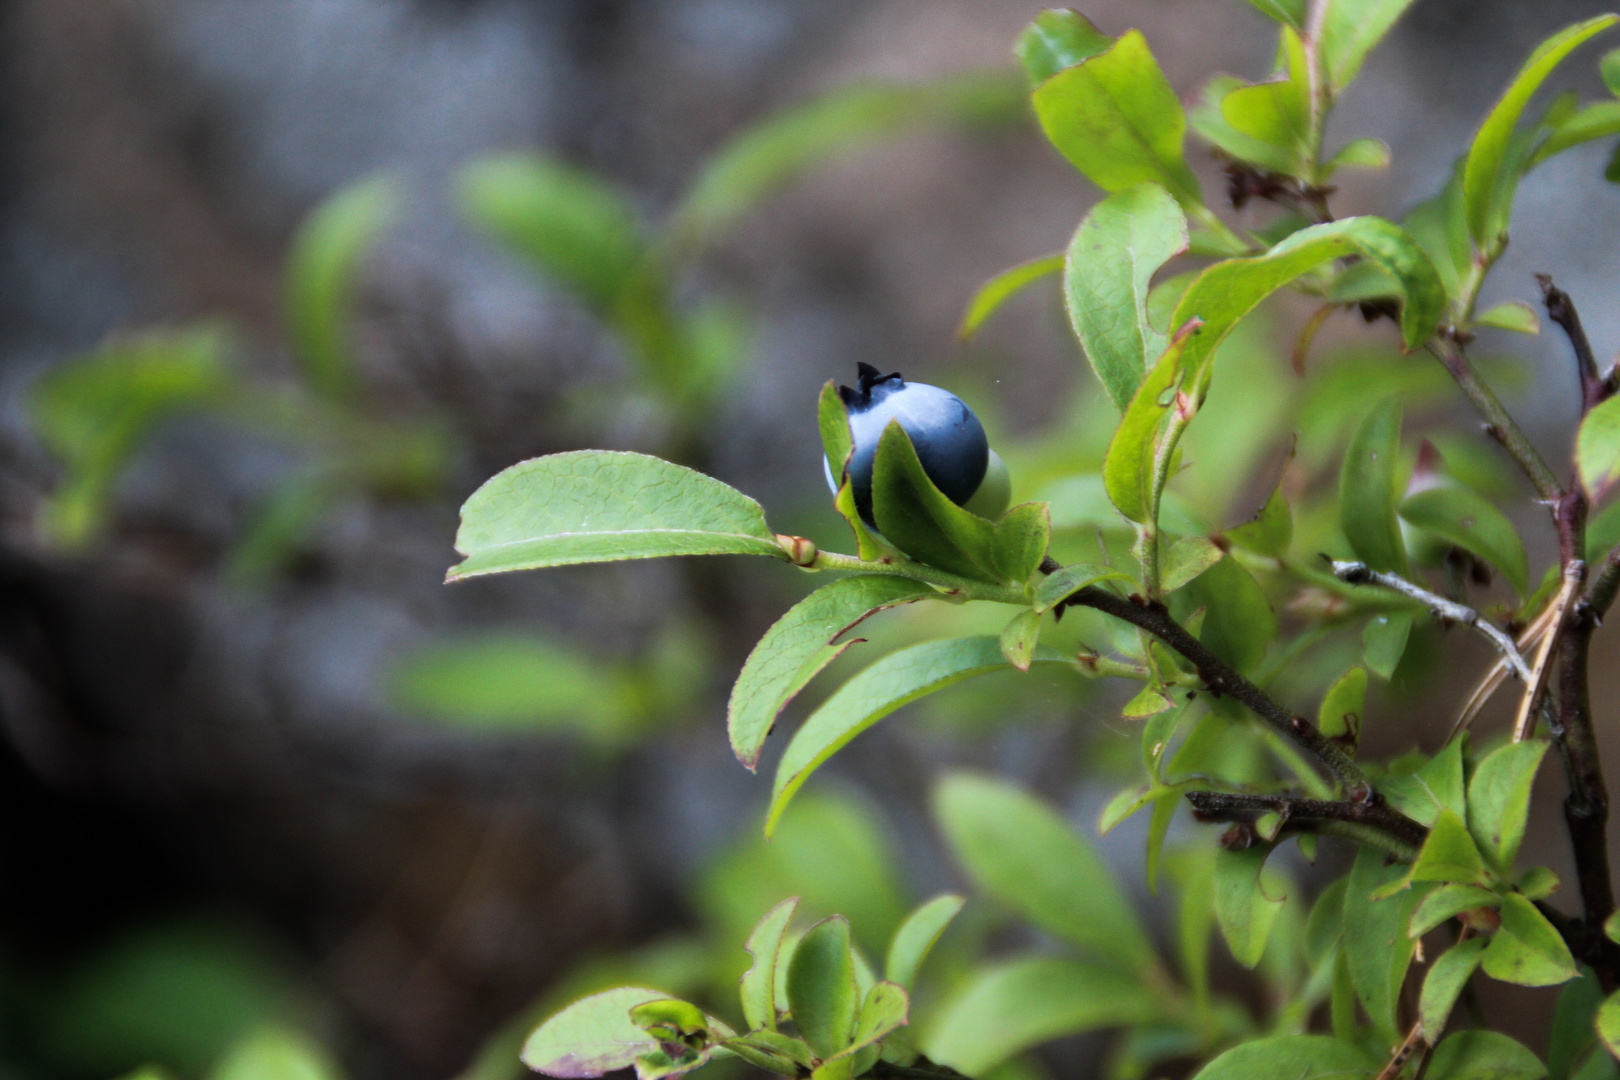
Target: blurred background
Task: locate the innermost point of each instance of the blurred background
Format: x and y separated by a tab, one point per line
267	317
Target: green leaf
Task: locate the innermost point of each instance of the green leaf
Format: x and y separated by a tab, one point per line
1021	540
1269	532
1368	487
1359	154
1011	1007
1149	701
1597	121
1608	1023
1070	580
1111	261
1438	784
1383	642
320	276
752	1051
1340	714
1019	638
1382	951
916	517
1445	903
839	445
1130	468
1208	119
1483	1055
1118	120
886	1008
898	679
671	1020
271	1052
1292	1057
800	645
1224	293
1574	1025
1538	883
1244	911
758	984
1461	517
1022	854
770	154
1058	38
592	1036
1187	558
1277	112
1004	286
916	937
1597	447
1449	854
1527	950
1350	29
600	506
1239	624
1513	315
821	987
1287	12
1499	799
1487	198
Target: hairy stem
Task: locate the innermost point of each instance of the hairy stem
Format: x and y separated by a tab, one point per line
1376	823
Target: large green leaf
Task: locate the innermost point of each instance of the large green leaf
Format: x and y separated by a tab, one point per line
1574	1028
320	273
1527	949
1382	950
1003	287
1368	488
1118	120
1292	1057
783	147
799	645
916	937
758	984
592	1036
1499	799
1449	854
1014	1006
1487	194
1056	39
1243	907
821	989
1239	624
1464	518
1597	447
1350	29
1224	293
898	679
1111	261
601	506
1483	1055
1024	855
1277	113
920	520
1208	119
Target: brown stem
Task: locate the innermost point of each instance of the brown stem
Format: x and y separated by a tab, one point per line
1502	427
1561	310
1376	823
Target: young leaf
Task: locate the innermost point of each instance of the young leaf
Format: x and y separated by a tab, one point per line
1527	950
1461	517
800	645
1129	469
1117	119
1350	29
758	984
600	506
1269	532
1483	186
320	275
1291	1057
898	679
1003	287
1437	785
1287	12
1111	261
1383	642
1368	490
1445	903
916	937
839	445
1499	799
1340	714
1597	447
1057	39
1070	580
1449	854
1224	293
1149	701
1277	112
1382	950
1478	1054
1024	855
592	1036
916	517
1009	1008
821	987
885	1008
1186	559
1019	638
1245	912
1513	315
1021	540
1359	154
1208	119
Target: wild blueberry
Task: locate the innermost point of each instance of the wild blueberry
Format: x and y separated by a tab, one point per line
949	439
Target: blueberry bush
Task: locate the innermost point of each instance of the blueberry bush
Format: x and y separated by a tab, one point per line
1253	642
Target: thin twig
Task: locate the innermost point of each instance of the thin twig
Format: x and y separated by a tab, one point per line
1561	310
1359	573
1497	673
1502	427
1524	722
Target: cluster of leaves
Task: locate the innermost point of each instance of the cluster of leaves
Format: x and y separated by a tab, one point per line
1188	610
